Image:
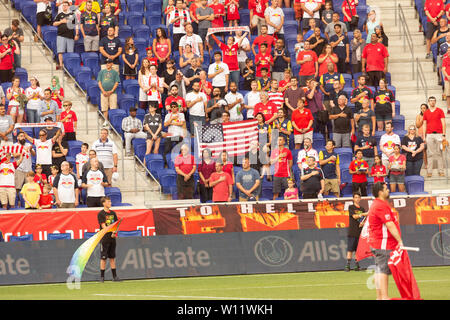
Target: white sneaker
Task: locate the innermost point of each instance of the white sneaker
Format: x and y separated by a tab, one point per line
105	124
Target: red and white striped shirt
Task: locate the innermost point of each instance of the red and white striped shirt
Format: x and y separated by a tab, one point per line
276	98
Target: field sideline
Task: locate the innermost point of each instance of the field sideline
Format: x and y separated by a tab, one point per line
433	282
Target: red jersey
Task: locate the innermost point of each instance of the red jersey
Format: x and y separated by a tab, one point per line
45	200
179	100
258	7
356	165
349	10
309	67
268	110
267	39
286	84
323	67
433	119
374	55
379	236
218	9
230	55
282	168
401	160
68	124
6	63
377	169
232	9
265	62
302	119
433	7
41	180
445	66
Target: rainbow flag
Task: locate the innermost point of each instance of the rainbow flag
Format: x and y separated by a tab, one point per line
83	253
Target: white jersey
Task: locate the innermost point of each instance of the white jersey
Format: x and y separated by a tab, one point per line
66	185
94	178
235	113
43	151
7	171
303	154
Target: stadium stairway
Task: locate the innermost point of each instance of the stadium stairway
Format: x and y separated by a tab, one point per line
400	67
136	188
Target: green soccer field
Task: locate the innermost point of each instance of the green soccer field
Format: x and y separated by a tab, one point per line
433	282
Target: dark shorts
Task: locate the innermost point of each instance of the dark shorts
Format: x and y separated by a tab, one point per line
279	184
381	260
397	178
384	117
108	249
94	202
352	243
42	20
431	28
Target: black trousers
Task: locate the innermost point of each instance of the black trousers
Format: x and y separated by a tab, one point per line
169	143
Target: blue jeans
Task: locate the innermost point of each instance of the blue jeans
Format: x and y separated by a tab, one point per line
32	116
413	167
200	120
234	77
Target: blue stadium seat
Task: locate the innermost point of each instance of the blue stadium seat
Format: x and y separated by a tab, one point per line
125	32
135	5
134	233
154	163
140	44
91	60
29	10
126	101
27	237
399	122
167	178
139	146
88	235
133	19
58	236
345	175
93	92
22	74
71	61
290	27
74	147
348	81
141	31
289	14
115	195
345	154
79	46
82	76
131	87
415	184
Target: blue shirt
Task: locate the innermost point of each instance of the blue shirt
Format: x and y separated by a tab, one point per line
329	169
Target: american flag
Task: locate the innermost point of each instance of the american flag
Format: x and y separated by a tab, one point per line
233	137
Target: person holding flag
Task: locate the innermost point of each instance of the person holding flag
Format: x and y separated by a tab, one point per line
384	236
106	217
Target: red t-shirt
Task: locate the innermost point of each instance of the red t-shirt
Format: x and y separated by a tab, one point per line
230	55
41	180
374	55
309	67
374	170
232	10
323	67
355	165
379	236
258	7
221	191
282	168
45	200
267	39
302	119
218	9
268	110
179	100
185	164
446	65
265	62
433	7
68	124
6	63
401	160
283	83
350	11
433	119
228	168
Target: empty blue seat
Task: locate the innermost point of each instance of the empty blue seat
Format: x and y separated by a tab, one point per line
133	19
399	122
140	44
27	237
115	195
58	236
345	175
22	74
126	101
82	76
71	61
167	179
125	32
141	31
135	5
74	147
92	61
345	154
139	146
93	92
154	163
133	233
415	184
131	87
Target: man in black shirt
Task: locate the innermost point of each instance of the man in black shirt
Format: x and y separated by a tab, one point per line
344	124
368	144
281	60
110	47
66	37
312	179
59	152
356	216
108	243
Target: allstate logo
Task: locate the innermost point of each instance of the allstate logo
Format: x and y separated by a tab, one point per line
440	243
273	251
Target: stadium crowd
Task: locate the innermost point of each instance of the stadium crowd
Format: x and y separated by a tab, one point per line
321	96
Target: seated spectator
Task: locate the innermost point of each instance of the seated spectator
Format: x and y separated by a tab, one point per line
59	151
281	126
235	102
329	162
341	46
308	61
378	170
248	73
34	94
16	96
222	185
206	167
267	108
47	107
368	144
7	180
108	20
281	61
375	60
185	168
215	107
69	120
359	169
81	159
281	157
110	48
132	128
65	40
65	188
89	26
356	48
291	193
387	143
343	123
8	50
365	116
251	99
31	192
413	146
179	18
326	58
153	127
292	95
108	81
327	80
176	124
248	182
162	48
46	198
384	105
6	127
361	93
330	31
317	41
397	168
186	58
94	181
130	59
275	95
313	183
263	59
302	122
307	151
219	73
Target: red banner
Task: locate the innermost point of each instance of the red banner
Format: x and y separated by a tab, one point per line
76	222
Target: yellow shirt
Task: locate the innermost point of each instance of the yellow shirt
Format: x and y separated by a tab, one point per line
32	192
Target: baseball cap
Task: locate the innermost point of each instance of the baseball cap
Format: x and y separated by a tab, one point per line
48	118
109	60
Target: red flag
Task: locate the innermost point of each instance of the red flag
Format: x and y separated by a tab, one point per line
402	273
363	249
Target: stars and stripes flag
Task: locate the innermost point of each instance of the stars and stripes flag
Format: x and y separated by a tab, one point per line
233	137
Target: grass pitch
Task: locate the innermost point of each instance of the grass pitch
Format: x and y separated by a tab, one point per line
433	282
